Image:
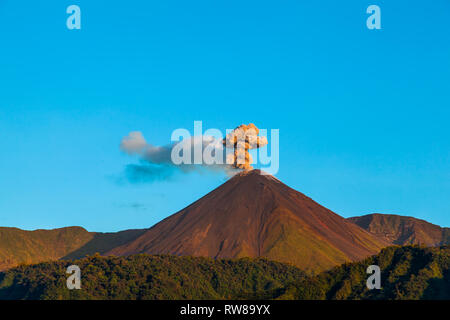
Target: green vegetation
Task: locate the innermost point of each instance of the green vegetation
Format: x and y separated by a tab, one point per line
409	272
149	277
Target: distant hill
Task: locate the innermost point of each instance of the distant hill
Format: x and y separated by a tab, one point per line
403	230
149	277
407	273
256	215
19	246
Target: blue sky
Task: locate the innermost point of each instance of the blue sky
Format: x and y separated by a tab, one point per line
363	114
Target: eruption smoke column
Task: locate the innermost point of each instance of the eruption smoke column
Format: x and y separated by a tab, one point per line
242	139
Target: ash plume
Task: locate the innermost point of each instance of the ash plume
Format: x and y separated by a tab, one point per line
157	163
242	139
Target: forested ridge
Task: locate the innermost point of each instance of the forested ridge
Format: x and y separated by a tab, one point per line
149	277
408	272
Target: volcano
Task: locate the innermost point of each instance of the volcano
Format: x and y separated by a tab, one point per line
256	215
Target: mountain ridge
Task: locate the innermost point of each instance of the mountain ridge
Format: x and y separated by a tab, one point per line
19	246
403	230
